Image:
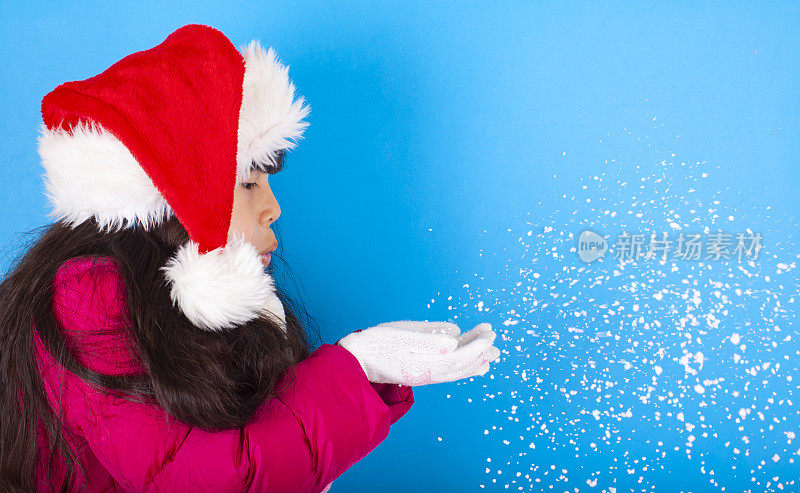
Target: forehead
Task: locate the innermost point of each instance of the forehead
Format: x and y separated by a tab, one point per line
255	175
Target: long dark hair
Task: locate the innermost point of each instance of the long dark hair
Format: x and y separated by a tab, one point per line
210	380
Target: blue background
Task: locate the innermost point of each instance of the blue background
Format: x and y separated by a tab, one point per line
441	134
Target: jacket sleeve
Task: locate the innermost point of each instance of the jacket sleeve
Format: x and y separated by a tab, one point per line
327	420
327	417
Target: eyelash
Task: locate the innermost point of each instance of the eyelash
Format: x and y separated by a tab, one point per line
245	185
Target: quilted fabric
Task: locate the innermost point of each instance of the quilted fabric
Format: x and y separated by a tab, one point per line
328	419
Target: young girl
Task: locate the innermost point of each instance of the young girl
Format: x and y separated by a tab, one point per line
143	342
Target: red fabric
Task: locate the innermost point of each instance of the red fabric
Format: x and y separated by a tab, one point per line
176	108
328	419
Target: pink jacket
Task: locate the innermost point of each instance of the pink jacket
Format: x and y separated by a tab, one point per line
331	417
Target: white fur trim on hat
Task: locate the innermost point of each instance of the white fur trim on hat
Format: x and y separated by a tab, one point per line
270	118
222	288
88	172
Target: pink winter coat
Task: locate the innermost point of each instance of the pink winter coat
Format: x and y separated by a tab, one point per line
330	418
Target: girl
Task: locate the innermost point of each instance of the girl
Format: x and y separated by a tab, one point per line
143	343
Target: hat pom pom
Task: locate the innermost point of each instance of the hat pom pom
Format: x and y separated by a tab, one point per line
222	288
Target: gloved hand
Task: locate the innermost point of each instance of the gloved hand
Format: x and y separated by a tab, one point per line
414	353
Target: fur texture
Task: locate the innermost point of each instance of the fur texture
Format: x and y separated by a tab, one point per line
270	118
89	172
222	288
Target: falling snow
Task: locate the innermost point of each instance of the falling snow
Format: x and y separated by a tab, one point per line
617	377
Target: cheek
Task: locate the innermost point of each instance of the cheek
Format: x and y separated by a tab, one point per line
234	227
237	215
243	220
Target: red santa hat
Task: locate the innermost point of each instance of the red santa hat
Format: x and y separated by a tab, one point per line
170	131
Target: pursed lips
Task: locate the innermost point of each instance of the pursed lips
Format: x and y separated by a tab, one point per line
266	256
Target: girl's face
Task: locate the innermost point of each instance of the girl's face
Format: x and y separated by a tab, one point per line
254	210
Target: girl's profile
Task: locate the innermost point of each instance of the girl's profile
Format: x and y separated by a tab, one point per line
144	343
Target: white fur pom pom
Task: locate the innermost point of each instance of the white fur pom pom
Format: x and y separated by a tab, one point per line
222	288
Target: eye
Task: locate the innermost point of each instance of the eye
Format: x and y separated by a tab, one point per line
249	186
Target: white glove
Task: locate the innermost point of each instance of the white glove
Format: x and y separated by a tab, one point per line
413	353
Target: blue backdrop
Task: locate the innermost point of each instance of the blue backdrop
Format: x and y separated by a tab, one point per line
455	154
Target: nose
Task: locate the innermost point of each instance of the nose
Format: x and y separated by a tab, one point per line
271	212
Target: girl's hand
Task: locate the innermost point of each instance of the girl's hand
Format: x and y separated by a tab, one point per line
418	353
440	328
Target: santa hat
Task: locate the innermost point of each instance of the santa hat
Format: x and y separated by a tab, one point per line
170	131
